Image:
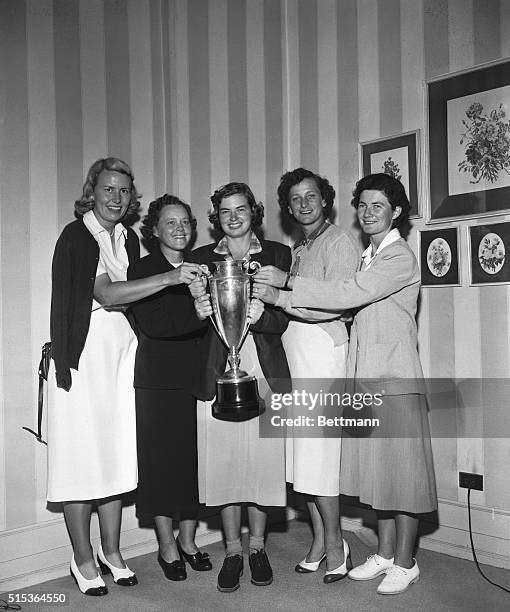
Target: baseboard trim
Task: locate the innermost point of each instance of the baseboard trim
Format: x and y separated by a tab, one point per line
462	552
18	576
37	553
24	563
449	538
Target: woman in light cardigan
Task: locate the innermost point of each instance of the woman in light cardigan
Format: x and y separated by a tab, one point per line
395	475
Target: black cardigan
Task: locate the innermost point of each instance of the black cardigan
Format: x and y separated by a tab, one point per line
267	331
73	274
168	328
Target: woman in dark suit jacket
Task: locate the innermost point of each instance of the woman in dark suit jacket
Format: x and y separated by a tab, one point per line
165	409
235	464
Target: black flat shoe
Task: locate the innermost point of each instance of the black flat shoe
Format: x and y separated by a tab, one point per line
230	572
176	570
261	572
199	561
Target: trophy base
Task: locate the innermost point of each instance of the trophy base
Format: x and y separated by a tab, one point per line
237	399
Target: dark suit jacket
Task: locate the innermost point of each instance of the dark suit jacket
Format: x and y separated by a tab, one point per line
168	330
267	331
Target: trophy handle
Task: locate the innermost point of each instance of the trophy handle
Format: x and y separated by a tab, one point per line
247	324
251	267
211	318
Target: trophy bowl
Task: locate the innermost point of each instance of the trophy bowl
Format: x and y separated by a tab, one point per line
237	396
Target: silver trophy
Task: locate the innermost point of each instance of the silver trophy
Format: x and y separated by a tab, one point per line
237	397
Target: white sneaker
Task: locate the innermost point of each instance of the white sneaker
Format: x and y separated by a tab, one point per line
374	566
398	579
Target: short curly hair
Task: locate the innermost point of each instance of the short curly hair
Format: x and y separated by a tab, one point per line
392	189
151	219
230	189
112	164
294	177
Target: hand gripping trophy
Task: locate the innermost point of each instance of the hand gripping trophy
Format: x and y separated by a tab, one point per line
237	397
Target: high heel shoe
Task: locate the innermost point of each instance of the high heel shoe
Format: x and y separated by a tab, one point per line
307	567
341	571
199	561
122	576
94	587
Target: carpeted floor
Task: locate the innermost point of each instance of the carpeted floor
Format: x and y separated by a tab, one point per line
446	584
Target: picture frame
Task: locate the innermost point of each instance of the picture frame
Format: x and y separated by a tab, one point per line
489	253
398	156
466	111
439	257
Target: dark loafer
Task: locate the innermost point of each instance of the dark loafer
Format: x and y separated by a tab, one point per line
231	571
199	561
176	570
261	572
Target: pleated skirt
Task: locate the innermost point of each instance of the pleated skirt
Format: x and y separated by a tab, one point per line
390	467
234	463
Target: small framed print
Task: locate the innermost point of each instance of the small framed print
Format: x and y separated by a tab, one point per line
439	257
489	246
398	157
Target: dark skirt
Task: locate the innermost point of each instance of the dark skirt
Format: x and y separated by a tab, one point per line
391	467
166	428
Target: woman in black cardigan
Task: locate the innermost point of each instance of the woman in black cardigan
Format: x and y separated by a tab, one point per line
169	330
235	464
91	412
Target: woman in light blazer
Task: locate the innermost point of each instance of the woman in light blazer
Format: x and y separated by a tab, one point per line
390	469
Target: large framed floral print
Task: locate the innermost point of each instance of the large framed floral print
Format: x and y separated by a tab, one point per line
439	257
469	143
489	253
398	157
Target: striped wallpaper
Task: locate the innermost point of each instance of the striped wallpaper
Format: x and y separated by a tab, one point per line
194	93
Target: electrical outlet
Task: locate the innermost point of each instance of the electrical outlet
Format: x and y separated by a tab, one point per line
467	480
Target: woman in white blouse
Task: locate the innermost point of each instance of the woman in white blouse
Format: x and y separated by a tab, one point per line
91	416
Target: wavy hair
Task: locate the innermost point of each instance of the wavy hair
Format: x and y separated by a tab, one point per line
294	177
112	164
151	219
230	189
392	189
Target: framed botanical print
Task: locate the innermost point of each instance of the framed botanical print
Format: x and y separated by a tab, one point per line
489	249
439	257
398	157
469	143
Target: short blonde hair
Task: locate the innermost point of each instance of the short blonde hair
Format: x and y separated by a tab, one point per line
112	164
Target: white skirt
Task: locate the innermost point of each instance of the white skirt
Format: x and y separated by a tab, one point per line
313	464
234	463
92	428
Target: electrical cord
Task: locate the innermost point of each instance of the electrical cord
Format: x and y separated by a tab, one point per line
473	548
6	606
